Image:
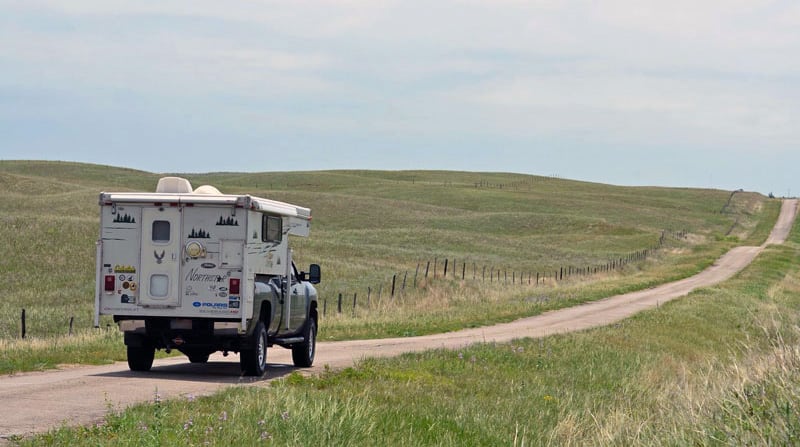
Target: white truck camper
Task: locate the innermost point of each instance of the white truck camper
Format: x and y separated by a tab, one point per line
200	271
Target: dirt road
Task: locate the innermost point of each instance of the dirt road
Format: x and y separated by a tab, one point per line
36	402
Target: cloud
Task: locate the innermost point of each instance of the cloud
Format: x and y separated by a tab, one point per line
714	76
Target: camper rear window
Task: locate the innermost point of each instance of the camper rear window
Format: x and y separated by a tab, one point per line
160	231
273	229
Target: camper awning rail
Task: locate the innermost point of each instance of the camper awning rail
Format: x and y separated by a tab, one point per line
242	201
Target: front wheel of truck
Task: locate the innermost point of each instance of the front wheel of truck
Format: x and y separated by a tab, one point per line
253	360
303	353
140	358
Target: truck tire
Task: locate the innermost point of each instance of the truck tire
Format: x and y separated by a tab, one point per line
140	358
254	359
303	353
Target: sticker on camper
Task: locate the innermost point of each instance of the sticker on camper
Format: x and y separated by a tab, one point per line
229	222
128	219
124	269
207	305
199	234
195	275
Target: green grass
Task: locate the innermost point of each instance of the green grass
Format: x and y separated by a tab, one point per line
719	367
371	225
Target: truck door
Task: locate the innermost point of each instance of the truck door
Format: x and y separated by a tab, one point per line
298	303
160	257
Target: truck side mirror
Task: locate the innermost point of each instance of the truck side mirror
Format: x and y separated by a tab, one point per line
314	274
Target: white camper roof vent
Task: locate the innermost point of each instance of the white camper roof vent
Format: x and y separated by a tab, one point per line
207	189
174	185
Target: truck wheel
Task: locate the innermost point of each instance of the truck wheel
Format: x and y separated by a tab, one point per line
140	358
254	359
303	353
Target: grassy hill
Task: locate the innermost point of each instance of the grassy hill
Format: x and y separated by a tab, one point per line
719	367
371	225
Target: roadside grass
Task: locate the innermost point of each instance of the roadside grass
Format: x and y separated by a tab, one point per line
719	367
38	354
370	225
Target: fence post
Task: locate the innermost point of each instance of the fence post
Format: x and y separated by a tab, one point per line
339	308
405	275
427	267
464	271
354	303
71	322
394	281
325	306
369	295
537	278
24	329
415	275
445	268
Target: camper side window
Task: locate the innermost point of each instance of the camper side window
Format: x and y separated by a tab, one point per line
161	231
272	230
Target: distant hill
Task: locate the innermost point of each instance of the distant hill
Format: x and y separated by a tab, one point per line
366	225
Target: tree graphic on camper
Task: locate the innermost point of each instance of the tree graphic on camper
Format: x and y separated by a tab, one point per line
230	221
199	234
127	218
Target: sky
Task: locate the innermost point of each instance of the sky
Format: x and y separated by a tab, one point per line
628	92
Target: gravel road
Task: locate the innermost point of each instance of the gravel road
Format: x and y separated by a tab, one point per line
36	402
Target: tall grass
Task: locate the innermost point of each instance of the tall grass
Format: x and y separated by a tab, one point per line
718	367
370	225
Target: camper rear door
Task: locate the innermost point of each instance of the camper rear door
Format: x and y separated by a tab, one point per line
160	257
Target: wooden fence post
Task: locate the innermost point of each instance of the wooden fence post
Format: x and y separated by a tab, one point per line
463	271
24	329
339	308
71	322
394	281
405	275
427	267
355	295
445	268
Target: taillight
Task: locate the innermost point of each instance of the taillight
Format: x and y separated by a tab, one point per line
111	283
233	288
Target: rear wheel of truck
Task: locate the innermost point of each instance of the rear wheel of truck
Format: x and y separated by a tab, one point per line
254	359
303	353
140	358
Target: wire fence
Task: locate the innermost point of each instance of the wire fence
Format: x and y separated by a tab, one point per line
447	268
454	269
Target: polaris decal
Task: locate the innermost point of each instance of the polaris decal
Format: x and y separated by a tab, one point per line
211	305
